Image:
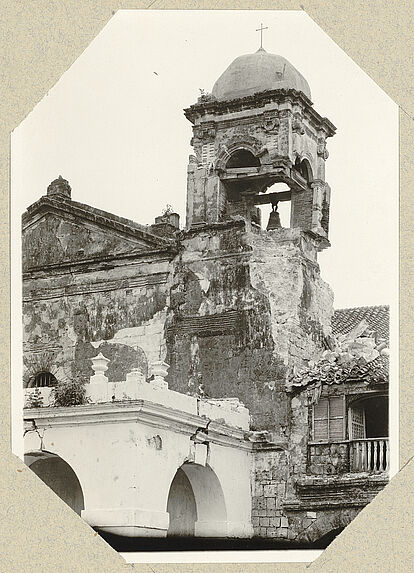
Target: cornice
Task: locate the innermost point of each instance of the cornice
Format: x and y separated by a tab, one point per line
84	288
101	262
96	216
143	411
221	107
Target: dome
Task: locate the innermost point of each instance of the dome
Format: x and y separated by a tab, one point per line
253	73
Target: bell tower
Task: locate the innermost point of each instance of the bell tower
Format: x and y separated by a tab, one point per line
257	128
248	303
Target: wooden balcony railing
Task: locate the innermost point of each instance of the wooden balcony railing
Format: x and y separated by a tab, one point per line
370	455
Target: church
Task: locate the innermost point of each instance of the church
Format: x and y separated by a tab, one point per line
196	382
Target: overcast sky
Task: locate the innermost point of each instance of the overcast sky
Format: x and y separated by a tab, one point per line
113	126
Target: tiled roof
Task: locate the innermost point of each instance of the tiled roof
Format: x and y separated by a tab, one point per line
350	360
377	369
378	318
324	372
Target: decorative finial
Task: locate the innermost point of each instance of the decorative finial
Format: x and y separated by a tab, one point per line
261	35
59	188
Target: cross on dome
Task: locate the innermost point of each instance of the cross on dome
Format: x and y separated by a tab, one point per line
261	35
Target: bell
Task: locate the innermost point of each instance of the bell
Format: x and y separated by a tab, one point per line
274	220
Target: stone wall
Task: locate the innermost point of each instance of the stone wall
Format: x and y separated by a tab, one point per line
289	505
271	473
219	330
73	305
284	269
245	307
328	458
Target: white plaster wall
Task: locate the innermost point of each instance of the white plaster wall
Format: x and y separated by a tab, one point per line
233	469
125	475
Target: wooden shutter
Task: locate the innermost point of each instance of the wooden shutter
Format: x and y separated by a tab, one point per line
320	420
329	419
336	418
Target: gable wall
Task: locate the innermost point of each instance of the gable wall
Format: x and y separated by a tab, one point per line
53	240
76	302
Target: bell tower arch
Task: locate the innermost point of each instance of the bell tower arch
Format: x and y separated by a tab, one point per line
258	127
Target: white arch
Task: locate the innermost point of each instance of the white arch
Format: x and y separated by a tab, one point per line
209	499
57	474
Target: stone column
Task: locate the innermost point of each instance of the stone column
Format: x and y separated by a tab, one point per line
318	187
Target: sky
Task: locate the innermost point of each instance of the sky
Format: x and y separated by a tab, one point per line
113	126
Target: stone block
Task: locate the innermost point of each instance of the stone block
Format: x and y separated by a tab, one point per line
264	521
274	522
270	490
255	521
260	503
284	522
258	490
270	502
281	489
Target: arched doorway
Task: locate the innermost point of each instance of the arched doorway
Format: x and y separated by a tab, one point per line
59	476
196	503
325	540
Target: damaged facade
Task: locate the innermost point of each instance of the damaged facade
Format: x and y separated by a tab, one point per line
217	356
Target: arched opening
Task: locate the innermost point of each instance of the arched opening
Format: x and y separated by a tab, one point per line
196	503
42	379
181	506
242	158
59	476
325	540
304	168
283	207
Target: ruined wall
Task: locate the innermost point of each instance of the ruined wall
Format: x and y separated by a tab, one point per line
328	459
283	268
271	474
218	329
245	307
77	308
280	512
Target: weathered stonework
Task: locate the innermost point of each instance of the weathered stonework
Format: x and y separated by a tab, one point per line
83	287
222	330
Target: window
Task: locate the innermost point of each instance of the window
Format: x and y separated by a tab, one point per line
42	379
329	419
207	153
368	418
242	158
357	423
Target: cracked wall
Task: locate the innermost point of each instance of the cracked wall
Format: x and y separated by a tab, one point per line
75	307
244	308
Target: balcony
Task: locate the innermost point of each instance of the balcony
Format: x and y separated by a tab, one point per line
369	455
335	458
